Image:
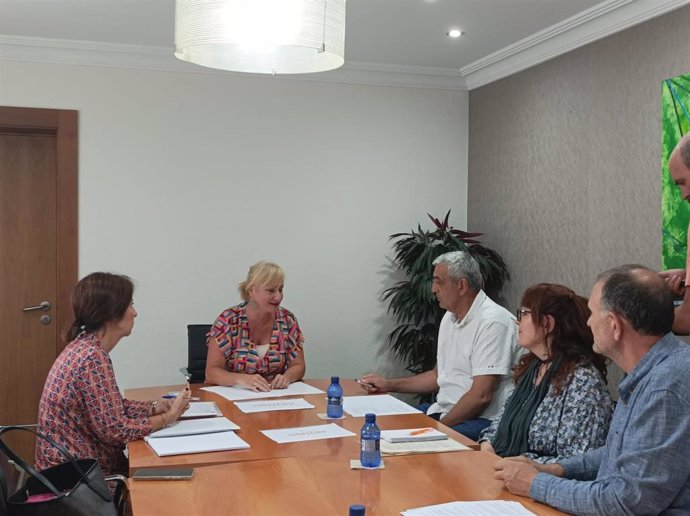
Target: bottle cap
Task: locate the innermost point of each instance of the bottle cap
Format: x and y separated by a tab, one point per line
335	379
357	510
370	418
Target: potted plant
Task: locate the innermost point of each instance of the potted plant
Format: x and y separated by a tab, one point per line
411	301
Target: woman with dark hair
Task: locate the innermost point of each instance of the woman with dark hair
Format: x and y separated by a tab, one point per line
81	407
561	406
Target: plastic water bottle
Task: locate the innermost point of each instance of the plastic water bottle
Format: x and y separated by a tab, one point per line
335	399
370	452
357	510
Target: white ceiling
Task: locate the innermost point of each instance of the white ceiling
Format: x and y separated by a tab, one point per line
401	36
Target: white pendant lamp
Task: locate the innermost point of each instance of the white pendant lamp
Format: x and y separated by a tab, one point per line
261	36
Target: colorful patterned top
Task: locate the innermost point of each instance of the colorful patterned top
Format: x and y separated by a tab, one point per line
231	331
82	409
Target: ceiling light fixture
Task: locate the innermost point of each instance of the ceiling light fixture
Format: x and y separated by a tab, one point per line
454	33
261	36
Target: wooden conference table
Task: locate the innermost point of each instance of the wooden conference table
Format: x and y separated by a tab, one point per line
311	477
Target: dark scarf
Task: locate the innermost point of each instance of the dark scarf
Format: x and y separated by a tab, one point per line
513	429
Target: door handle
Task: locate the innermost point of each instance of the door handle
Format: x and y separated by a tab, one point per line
45	306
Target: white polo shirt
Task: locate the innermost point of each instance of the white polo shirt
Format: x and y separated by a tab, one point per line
484	342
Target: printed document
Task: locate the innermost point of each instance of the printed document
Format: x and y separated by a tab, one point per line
250	407
381	405
307	433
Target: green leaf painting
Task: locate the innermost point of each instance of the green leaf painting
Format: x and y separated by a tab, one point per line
675	213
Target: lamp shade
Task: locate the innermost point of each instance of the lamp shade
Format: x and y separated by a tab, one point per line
261	36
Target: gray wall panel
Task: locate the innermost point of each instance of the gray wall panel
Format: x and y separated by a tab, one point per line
564	158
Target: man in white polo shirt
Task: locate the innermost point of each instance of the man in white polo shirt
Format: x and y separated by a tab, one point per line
477	348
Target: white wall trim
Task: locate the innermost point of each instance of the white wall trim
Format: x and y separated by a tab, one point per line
602	20
117	55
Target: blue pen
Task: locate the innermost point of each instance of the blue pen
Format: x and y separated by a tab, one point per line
171	396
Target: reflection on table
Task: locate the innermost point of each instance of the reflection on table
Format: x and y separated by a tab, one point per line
142	456
311	477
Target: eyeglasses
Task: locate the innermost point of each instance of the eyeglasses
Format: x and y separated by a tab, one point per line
520	312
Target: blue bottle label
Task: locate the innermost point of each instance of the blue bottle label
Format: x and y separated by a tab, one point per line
334	400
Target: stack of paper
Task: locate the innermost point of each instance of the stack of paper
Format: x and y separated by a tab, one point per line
202	409
196	426
196	436
381	405
412	435
238	393
446	445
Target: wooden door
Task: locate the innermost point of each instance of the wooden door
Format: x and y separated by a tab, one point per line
38	261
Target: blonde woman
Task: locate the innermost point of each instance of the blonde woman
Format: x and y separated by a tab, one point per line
257	344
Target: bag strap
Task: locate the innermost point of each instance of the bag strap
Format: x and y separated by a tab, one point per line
98	489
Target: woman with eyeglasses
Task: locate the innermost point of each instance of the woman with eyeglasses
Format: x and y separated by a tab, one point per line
561	406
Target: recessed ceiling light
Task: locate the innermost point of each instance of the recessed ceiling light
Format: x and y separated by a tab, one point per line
454	33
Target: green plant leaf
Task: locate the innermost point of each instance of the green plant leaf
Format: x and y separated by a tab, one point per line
411	301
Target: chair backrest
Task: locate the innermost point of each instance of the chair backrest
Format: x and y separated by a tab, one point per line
196	351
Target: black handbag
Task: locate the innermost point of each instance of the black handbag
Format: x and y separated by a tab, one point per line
73	488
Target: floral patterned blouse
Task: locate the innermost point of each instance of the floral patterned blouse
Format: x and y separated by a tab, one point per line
231	331
569	423
82	409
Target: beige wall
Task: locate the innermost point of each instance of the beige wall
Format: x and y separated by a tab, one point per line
185	179
564	158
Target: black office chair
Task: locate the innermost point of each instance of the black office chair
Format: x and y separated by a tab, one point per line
196	352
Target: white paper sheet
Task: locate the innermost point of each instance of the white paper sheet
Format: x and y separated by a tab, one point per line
381	405
202	409
219	441
485	508
412	435
306	433
250	407
237	393
194	427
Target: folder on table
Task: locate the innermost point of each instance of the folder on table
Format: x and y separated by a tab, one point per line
195	426
196	436
412	435
200	443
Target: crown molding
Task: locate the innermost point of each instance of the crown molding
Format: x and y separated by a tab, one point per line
602	20
117	55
